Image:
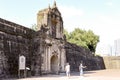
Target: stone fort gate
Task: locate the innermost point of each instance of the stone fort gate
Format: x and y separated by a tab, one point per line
53	56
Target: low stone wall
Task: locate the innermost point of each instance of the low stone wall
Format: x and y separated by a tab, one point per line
112	62
75	54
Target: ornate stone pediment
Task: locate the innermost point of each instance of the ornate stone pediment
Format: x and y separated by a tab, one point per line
54	53
48	42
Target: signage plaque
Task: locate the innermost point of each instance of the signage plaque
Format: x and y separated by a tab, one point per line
22	61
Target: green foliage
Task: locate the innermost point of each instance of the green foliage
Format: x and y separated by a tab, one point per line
34	27
98	55
83	38
66	34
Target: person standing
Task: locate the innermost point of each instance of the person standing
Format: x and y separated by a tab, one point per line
81	69
67	69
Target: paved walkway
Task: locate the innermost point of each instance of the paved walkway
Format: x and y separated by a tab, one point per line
112	74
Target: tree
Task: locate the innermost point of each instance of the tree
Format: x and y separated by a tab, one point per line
66	34
34	27
92	40
83	38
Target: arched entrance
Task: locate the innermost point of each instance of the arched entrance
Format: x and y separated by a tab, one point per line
54	64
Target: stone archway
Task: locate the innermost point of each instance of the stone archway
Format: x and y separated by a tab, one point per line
54	64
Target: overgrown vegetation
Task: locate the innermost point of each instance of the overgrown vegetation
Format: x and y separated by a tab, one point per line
83	38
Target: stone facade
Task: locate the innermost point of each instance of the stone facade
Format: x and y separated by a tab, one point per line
50	27
14	41
46	50
76	54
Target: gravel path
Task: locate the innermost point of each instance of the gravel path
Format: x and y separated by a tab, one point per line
111	74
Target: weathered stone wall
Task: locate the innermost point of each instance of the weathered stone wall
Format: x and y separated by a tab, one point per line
38	45
14	41
75	54
112	62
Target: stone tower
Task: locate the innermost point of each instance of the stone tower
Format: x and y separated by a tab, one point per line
51	18
50	26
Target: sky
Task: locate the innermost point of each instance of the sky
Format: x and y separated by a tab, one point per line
100	16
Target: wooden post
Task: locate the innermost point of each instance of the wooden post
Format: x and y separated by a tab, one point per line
18	73
24	73
18	67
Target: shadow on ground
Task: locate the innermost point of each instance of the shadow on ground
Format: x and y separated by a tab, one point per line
74	75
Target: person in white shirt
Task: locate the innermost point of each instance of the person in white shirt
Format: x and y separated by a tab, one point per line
81	69
67	69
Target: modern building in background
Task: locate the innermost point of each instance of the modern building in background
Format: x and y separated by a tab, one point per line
117	47
104	50
108	50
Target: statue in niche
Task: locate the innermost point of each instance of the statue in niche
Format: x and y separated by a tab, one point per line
54	23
